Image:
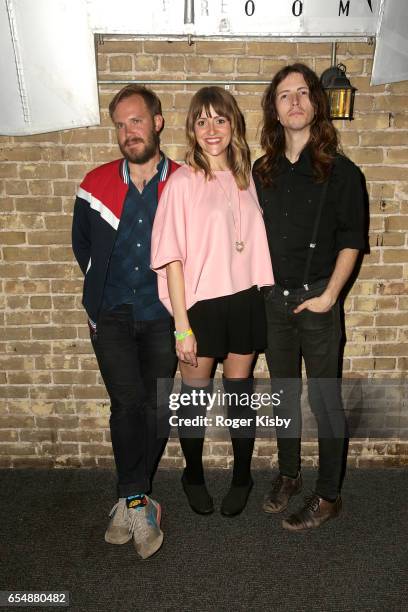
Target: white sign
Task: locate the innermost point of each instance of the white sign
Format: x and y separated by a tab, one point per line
391	53
48	67
242	18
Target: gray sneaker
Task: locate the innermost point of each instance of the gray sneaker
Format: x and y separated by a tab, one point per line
118	531
145	528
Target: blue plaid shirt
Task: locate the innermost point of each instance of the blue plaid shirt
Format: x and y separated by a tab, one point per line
129	279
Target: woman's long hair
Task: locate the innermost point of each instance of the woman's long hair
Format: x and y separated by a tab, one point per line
323	140
238	155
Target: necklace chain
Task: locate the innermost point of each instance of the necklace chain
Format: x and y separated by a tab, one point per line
239	243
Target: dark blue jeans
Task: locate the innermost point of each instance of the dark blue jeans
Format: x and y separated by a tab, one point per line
132	356
316	337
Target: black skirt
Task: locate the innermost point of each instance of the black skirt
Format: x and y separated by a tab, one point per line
229	324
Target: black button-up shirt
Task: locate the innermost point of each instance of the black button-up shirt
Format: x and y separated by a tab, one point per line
130	279
290	207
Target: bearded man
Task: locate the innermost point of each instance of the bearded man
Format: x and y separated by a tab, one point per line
131	331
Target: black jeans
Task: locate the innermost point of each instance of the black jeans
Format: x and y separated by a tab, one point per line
316	337
132	356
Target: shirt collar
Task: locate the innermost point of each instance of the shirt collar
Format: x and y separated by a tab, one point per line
162	169
302	166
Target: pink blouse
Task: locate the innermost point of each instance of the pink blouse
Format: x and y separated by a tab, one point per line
198	222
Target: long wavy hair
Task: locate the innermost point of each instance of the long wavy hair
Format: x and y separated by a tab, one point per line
323	141
238	155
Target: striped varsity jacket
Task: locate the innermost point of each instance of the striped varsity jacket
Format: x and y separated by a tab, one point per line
97	211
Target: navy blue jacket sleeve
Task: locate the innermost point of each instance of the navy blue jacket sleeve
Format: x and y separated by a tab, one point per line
81	233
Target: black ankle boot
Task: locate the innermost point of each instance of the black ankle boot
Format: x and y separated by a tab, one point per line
236	499
198	496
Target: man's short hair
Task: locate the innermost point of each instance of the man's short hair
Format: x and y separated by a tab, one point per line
151	100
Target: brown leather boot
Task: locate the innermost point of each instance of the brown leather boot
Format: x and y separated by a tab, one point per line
283	488
315	512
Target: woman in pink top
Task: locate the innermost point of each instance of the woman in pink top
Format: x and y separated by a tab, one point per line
210	251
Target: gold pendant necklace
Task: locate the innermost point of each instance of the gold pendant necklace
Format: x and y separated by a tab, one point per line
239	243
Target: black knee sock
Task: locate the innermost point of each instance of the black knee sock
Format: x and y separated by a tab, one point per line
243	438
193	453
192	438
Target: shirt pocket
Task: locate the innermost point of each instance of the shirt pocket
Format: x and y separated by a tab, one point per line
304	207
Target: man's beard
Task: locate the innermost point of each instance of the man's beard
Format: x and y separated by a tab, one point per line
144	155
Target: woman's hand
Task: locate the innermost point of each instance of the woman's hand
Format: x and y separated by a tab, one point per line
186	350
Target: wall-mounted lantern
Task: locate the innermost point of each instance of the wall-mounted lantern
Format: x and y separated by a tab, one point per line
339	90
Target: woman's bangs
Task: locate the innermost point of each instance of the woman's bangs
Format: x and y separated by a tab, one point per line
214	100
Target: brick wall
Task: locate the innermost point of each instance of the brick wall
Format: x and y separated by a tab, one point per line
54	409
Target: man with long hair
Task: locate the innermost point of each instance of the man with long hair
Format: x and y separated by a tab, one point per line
131	331
313	202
